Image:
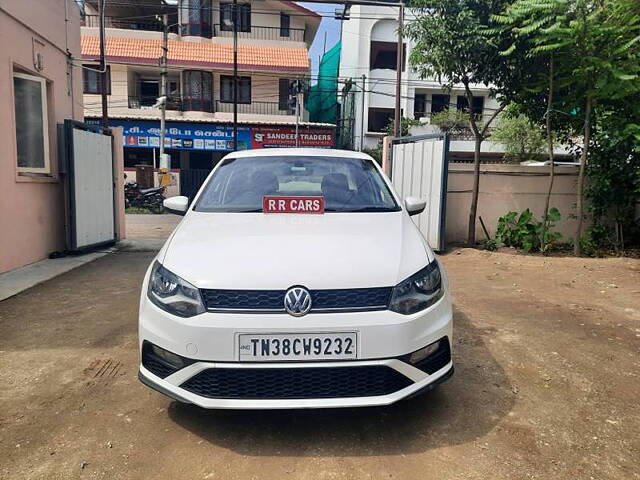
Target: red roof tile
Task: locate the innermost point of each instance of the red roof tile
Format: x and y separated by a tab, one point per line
213	55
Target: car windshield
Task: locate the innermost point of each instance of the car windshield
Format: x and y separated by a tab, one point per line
347	184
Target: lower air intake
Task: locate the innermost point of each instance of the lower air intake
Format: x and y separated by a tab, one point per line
296	383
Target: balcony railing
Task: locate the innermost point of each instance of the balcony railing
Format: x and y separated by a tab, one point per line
263	33
258	108
149	24
457	132
186	104
146	24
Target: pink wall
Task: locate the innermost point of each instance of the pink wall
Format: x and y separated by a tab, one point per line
32	208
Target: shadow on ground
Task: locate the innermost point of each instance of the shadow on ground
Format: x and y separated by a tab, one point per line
459	411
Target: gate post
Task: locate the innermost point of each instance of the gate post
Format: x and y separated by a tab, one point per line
386	151
118	175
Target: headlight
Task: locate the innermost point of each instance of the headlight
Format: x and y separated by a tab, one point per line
419	291
173	294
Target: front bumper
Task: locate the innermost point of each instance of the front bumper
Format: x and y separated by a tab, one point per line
417	382
209	341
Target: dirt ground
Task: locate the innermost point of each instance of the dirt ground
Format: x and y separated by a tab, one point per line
547	386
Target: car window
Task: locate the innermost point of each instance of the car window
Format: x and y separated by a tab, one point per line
347	184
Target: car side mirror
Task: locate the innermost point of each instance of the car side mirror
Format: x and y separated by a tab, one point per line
414	205
177	205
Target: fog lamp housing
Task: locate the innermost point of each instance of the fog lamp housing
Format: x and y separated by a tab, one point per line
161	362
172	359
423	353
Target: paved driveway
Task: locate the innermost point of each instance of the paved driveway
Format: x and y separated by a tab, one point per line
546	386
151	226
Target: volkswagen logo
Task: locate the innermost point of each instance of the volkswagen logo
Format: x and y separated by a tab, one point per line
297	301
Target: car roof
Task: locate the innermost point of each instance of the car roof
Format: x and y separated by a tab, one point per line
298	152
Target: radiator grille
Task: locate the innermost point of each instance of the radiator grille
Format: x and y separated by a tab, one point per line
351	299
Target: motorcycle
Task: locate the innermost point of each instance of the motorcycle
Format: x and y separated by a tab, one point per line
149	198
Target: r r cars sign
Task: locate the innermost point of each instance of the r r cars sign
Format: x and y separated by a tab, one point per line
278	204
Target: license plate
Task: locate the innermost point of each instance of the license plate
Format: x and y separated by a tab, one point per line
298	346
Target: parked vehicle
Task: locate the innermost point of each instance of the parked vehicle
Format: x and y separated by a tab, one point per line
296	279
149	198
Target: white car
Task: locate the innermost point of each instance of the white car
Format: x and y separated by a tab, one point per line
295	280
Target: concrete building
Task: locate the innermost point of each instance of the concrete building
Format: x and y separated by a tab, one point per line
369	48
274	38
38	89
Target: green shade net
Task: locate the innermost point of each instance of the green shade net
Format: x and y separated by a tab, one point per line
322	101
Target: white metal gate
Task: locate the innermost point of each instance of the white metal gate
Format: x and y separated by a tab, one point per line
419	168
90	189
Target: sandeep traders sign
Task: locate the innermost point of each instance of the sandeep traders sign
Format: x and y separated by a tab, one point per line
273	137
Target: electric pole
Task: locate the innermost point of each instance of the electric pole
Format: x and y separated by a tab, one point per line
234	17
397	116
164	161
163	83
103	66
297	91
364	84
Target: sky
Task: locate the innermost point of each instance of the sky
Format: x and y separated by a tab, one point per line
328	25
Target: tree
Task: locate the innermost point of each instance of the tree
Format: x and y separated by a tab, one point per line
591	49
522	139
455	43
613	189
525	20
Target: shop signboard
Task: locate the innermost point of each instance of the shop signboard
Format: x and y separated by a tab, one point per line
182	135
215	137
274	137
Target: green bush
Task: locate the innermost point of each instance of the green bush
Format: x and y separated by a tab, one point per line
524	231
375	153
521	138
450	120
137	211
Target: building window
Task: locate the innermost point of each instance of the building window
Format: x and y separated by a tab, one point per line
198	91
439	102
195	18
244	17
173	89
226	89
419	106
477	107
284	94
92	79
149	92
384	55
32	129
226	17
379	119
285	25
